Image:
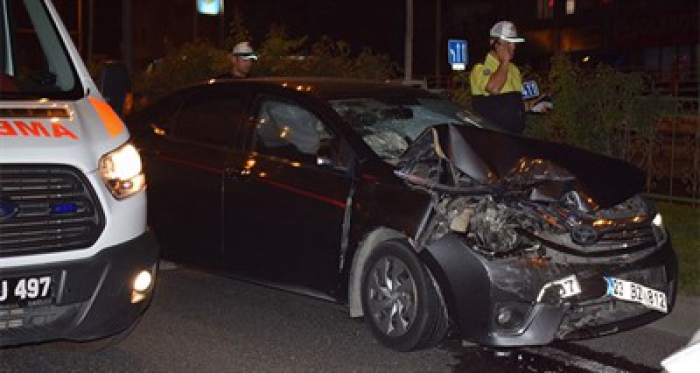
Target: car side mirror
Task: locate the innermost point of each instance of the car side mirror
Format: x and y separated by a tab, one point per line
330	158
324	161
324	156
114	84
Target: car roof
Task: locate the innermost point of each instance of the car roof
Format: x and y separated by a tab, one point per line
332	88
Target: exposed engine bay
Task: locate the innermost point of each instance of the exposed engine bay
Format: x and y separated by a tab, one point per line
533	206
504	226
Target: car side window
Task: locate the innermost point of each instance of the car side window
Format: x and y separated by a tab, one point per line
210	120
287	130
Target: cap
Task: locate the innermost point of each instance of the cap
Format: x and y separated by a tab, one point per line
244	50
505	30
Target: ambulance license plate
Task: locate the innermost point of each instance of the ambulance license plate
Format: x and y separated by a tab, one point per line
23	290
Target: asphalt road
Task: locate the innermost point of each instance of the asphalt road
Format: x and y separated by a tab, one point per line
201	322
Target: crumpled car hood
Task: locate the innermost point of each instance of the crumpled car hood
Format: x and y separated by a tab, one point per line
493	158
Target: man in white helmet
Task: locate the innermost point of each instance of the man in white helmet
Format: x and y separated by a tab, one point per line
242	58
496	84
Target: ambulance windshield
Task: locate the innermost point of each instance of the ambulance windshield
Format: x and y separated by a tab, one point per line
34	62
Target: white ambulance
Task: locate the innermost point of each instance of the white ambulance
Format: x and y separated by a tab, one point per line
77	261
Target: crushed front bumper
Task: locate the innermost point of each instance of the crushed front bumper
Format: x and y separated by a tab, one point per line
91	299
507	302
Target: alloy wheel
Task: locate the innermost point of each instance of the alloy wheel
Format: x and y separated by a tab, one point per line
392	296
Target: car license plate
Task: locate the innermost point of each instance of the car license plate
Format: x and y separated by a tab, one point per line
21	290
633	292
569	286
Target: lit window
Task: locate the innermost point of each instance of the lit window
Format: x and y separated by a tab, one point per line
570	6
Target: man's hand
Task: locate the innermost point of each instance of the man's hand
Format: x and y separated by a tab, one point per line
541	104
542	107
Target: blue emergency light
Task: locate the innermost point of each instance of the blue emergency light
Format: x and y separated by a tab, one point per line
64	208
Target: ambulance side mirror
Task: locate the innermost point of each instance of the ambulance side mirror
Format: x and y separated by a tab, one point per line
114	84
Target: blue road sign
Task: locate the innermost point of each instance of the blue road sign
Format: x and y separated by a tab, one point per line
457	53
530	89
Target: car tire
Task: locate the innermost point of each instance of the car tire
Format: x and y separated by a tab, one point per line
401	300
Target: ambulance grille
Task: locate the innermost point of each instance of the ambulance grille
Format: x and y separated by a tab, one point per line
46	209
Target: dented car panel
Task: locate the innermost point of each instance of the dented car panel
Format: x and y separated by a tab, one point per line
393	206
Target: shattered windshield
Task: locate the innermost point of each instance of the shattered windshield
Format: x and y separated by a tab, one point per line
34	62
390	124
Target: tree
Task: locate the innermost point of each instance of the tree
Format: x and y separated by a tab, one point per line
279	55
237	31
182	66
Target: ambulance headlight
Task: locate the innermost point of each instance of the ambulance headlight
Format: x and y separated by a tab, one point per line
121	171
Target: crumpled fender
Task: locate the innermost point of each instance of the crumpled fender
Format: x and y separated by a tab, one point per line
459	271
465	279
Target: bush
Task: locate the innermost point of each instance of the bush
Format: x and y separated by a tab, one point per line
683	221
462	94
597	109
188	64
280	55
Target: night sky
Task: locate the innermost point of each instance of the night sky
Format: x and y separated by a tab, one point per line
359	19
380	24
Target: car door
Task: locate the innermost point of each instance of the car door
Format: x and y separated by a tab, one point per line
185	168
287	209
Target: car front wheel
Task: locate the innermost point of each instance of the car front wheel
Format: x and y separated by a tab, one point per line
400	299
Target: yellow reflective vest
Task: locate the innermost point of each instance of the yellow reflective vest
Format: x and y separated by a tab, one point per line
482	72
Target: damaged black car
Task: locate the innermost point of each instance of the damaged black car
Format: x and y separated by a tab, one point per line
406	208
